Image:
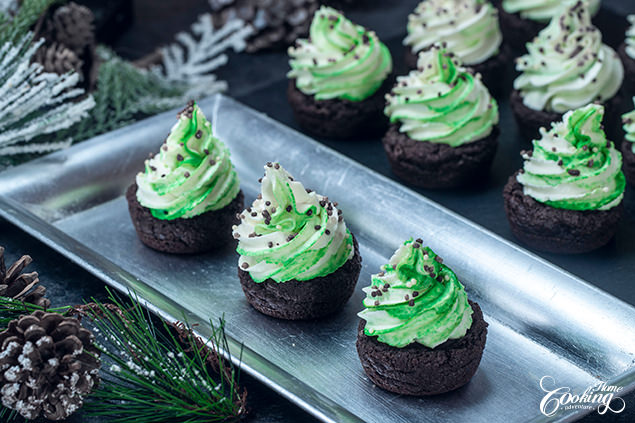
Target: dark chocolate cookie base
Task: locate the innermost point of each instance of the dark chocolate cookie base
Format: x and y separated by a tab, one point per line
516	30
493	71
303	300
555	230
419	370
439	166
628	160
529	121
205	232
629	70
340	119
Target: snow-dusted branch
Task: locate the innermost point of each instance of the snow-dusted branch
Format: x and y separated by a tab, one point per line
192	59
34	102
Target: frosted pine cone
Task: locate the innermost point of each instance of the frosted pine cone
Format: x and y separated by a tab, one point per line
21	286
58	59
48	364
277	23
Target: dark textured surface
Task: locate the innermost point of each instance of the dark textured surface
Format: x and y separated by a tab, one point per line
529	121
610	268
490	70
555	230
419	370
629	70
517	31
304	300
628	158
337	118
436	165
201	233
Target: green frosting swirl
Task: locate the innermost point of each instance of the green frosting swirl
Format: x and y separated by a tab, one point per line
339	60
573	166
415	298
191	174
442	102
290	232
541	10
630	38
567	66
629	127
469	28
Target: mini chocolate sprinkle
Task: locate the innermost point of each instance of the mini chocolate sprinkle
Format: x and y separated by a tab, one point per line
308	191
440	278
411	303
290	237
206	151
386	285
244	265
406	297
198	134
416	245
590	163
553	149
340	219
254	214
270	244
267	203
439	259
573	172
288	208
373	294
186	174
164	147
376	303
179	157
317	227
309	212
152	168
259	179
560	162
419	240
212	162
252	235
269	164
327	232
415	293
322	203
276	166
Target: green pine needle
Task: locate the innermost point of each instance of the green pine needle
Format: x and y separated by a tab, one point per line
11	309
29	12
161	373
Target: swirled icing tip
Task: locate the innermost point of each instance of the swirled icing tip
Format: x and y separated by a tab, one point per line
470	28
628	121
415	298
567	65
191	174
442	102
340	59
573	166
291	232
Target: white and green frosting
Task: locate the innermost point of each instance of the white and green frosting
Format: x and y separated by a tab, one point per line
542	10
415	298
629	127
290	232
567	66
630	38
573	166
192	173
339	60
469	28
442	102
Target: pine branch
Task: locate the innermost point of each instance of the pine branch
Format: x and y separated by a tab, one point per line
161	373
16	29
32	101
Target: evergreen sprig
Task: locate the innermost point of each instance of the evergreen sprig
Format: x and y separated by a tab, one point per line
161	372
11	309
14	29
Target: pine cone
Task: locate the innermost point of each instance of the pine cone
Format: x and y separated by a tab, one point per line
21	286
277	23
73	26
58	59
48	364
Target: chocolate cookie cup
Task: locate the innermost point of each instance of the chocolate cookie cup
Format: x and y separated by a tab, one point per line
338	78
188	196
419	334
521	21
558	74
443	131
568	196
467	28
297	258
628	146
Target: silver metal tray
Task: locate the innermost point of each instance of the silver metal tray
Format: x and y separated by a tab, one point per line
543	321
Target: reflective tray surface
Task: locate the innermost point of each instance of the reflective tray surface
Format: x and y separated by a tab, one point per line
543	321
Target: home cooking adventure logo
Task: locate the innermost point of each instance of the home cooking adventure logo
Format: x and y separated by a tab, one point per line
602	397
